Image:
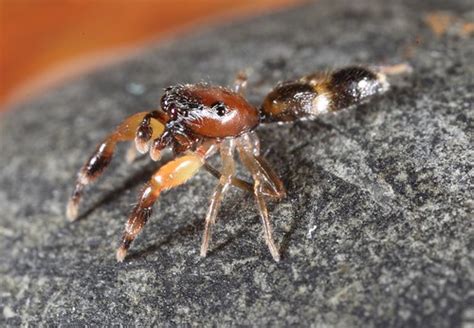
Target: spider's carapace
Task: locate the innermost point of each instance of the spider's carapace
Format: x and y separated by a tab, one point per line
209	111
197	121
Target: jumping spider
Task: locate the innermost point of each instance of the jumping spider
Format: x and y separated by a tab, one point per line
198	120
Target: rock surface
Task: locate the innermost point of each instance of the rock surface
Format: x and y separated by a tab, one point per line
377	226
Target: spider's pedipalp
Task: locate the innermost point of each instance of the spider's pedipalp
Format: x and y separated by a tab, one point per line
151	127
158	144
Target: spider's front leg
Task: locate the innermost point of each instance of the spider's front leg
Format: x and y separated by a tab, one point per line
102	157
172	174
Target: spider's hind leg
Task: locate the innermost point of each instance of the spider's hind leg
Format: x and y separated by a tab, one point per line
100	159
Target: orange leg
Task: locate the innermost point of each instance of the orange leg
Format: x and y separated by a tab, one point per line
102	157
173	174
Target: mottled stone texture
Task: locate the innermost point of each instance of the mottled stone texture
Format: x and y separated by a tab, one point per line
377	226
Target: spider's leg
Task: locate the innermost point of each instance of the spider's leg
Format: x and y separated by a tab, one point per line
260	176
272	186
225	179
403	68
101	158
172	174
240	81
236	182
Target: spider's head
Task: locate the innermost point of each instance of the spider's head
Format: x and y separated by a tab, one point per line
208	111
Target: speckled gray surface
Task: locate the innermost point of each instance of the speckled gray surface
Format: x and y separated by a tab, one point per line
376	229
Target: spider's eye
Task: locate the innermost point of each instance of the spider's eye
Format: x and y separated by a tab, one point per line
220	109
173	111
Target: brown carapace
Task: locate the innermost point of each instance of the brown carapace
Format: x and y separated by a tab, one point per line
197	121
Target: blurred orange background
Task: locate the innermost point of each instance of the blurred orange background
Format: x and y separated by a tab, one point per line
45	41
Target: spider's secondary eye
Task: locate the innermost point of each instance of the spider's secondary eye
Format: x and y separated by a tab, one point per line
219	108
173	111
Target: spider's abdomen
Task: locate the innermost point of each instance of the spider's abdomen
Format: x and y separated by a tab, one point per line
320	93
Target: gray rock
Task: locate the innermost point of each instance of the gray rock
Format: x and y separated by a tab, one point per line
377	226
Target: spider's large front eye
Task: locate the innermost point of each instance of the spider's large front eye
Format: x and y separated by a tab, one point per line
219	108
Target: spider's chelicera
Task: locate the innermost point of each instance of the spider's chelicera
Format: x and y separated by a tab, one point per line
197	121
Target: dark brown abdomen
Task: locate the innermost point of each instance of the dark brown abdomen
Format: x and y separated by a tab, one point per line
319	93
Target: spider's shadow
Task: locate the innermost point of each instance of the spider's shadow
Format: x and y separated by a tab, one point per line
183	231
